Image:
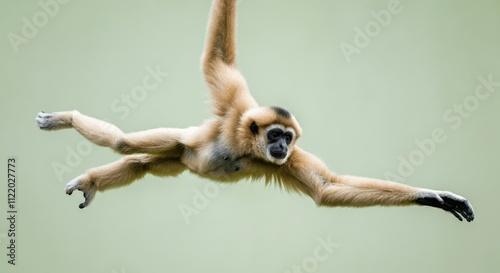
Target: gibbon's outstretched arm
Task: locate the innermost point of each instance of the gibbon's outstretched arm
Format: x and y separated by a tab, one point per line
329	189
227	86
220	44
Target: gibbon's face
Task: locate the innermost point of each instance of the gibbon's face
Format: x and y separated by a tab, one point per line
270	133
278	138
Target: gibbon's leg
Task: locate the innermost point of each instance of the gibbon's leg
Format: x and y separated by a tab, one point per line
108	135
328	189
122	172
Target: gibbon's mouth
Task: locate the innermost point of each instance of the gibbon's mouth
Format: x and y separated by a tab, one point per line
278	154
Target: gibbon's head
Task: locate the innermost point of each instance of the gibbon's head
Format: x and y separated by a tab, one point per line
269	133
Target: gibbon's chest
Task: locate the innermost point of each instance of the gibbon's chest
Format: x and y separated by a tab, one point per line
214	160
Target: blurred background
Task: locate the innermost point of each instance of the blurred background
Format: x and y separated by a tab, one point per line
402	90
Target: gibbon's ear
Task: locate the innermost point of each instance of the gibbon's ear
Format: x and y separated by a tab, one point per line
254	128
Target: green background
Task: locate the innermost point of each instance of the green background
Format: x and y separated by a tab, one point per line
361	117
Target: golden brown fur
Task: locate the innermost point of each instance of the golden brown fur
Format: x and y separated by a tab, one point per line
242	141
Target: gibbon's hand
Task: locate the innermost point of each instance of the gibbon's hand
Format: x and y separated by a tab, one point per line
448	201
88	190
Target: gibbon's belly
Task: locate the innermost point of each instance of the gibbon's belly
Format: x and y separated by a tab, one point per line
213	162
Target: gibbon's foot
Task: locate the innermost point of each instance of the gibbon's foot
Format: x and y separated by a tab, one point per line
448	201
89	191
51	121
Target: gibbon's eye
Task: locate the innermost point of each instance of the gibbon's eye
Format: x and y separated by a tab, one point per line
254	128
274	135
288	137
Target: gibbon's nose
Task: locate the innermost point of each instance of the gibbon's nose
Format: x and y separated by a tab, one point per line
283	147
279	151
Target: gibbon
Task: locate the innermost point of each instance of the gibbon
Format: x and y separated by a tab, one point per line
242	141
